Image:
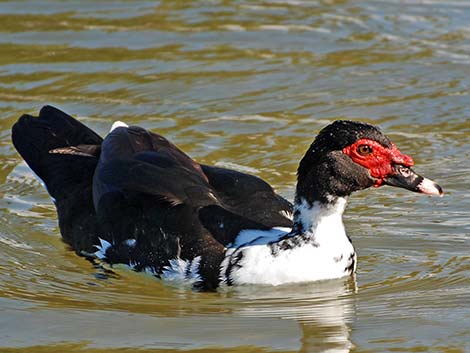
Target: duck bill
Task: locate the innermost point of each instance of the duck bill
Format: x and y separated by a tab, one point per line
404	177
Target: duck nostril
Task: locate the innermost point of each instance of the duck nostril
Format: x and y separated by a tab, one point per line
404	171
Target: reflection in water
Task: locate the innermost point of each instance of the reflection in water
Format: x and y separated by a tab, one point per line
306	318
323	311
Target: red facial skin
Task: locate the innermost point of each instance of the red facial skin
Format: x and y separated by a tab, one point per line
380	161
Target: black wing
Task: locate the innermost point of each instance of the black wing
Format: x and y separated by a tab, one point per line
249	196
148	191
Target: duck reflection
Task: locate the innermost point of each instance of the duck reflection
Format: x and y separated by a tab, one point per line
323	311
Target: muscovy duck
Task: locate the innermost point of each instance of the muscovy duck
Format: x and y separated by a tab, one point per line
134	198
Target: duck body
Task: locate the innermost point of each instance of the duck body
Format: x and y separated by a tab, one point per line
134	198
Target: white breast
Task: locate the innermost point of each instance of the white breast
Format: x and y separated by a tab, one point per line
323	252
257	264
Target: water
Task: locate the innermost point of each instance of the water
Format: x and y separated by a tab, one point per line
245	85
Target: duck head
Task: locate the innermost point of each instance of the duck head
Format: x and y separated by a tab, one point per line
348	156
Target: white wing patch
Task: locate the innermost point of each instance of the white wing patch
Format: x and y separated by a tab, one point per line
180	270
130	242
257	237
102	248
117	124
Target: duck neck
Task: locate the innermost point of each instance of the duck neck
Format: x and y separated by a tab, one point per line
319	221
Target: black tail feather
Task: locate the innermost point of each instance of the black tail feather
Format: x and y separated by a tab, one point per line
35	137
67	176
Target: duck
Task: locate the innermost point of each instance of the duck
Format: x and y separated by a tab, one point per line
135	199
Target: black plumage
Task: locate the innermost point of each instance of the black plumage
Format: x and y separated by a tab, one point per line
137	185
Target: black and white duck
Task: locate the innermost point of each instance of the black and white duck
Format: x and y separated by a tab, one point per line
134	198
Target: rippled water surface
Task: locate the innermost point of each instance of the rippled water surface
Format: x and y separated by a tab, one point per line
247	85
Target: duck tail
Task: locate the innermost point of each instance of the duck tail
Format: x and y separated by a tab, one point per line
60	150
63	153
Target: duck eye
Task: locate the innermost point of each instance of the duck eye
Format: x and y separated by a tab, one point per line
364	150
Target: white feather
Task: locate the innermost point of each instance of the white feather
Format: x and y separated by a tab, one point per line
117	124
326	256
180	270
130	242
102	248
286	214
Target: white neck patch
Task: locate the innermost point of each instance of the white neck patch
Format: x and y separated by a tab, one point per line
322	221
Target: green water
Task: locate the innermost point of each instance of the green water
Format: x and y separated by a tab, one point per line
246	85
